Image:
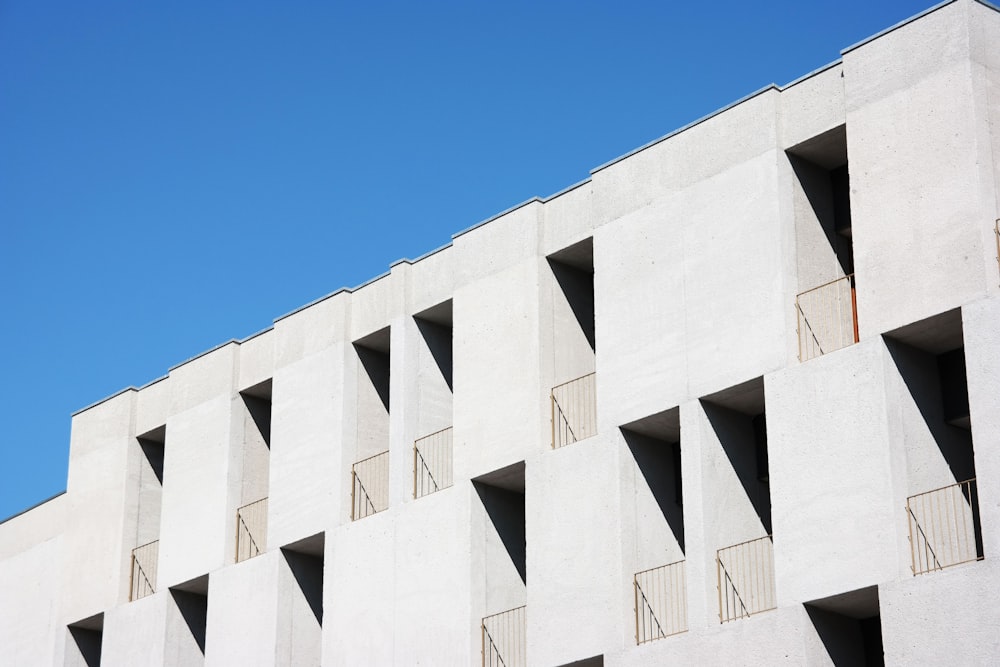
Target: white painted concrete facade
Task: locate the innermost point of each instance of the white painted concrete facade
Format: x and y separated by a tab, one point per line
673	274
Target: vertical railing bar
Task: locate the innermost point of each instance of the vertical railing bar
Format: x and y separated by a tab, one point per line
635	596
968	518
718	578
909	525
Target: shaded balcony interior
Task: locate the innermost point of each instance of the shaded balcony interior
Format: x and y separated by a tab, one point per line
255	456
826	306
573	344
144	557
942	506
84	640
849	627
500	526
659	583
187	621
150	482
433	448
745	558
370	472
301	599
373	393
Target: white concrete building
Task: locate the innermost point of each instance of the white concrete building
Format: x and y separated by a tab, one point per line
719	403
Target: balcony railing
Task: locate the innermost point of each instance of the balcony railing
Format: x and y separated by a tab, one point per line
370	486
574	410
432	463
746	579
944	527
660	602
996	231
142	579
251	530
827	318
504	642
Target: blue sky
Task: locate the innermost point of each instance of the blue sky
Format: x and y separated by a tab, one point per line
174	175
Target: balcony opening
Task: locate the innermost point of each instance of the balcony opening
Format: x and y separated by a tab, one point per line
745	564
83	642
573	344
187	621
432	451
502	496
942	504
301	627
370	472
596	661
659	586
145	553
826	306
251	514
500	529
849	627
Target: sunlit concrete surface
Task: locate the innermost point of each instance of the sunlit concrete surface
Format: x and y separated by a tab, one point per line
763	351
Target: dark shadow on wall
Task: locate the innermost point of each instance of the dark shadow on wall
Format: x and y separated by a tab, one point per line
88	643
153	451
658	463
921	372
828	192
849	642
260	411
747	453
438	339
506	510
194	610
376	365
308	573
578	287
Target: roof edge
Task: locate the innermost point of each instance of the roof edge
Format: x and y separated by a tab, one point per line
35	506
896	26
815	72
501	214
683	128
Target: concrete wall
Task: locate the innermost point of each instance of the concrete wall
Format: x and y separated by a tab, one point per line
308	482
832	490
700	243
915	145
571	575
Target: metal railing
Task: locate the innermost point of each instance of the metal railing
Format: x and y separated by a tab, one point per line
746	578
574	410
432	463
944	527
827	318
996	231
660	602
251	530
504	641
370	486
142	578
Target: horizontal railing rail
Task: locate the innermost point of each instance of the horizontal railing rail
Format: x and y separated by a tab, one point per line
432	462
504	640
251	530
142	578
574	410
660	602
827	317
944	527
745	574
370	486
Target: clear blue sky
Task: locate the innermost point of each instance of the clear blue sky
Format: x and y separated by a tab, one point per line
174	176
